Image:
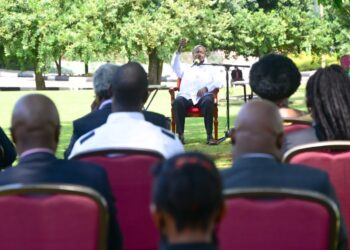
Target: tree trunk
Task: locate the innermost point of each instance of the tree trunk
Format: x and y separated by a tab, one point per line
155	67
39	80
86	65
59	65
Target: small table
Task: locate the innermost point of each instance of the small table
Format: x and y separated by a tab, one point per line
154	89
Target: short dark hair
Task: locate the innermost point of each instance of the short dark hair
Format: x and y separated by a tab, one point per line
328	97
130	85
274	77
188	187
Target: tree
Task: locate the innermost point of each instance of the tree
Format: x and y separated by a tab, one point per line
151	29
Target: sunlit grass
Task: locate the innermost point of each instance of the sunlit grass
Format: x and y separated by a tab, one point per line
74	104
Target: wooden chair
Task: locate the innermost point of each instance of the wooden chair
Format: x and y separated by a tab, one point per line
274	219
52	216
129	173
194	111
332	157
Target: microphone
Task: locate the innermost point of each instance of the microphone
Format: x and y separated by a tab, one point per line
196	62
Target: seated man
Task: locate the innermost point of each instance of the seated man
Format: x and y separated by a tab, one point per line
275	78
197	83
35	130
102	107
126	127
187	202
257	139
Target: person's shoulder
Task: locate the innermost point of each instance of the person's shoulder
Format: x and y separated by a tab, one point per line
81	166
305	170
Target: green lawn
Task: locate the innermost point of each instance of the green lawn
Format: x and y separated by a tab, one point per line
74	104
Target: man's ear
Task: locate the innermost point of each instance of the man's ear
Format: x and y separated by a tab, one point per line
221	214
156	216
232	135
280	140
13	135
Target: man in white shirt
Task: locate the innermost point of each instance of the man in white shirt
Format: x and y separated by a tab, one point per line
126	127
197	83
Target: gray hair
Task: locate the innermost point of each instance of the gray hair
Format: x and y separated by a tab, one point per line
102	79
197	47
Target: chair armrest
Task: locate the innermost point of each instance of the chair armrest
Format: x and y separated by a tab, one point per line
172	92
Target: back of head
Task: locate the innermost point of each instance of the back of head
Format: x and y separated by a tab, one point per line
274	77
129	87
188	188
102	80
35	123
258	129
328	98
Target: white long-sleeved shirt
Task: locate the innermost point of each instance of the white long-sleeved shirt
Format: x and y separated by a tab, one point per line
193	78
128	130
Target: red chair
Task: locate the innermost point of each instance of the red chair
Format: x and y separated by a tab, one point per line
55	217
332	157
275	219
292	125
194	111
129	173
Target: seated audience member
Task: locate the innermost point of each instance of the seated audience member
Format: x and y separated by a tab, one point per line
102	107
328	99
126	126
257	154
35	131
7	151
275	78
187	202
345	63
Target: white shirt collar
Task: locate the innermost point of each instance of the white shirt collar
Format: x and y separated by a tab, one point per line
36	150
116	116
104	103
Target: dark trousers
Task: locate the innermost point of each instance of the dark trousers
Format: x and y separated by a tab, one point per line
206	105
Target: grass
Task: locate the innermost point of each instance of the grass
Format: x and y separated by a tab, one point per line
74	104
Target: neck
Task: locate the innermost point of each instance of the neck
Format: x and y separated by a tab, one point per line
190	236
119	108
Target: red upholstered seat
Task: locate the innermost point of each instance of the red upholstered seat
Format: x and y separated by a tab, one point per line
195	111
278	219
292	125
55	220
332	157
130	177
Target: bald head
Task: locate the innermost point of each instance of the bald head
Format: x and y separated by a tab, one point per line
258	129
130	88
35	123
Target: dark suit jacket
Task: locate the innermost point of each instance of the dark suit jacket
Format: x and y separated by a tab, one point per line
46	168
97	118
299	137
7	150
265	172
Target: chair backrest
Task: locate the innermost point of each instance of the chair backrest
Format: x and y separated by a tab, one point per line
274	219
129	173
292	125
332	157
52	216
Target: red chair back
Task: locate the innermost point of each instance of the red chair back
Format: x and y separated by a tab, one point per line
274	220
292	125
330	157
131	181
55	217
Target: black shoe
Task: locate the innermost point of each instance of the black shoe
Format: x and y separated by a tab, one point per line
182	139
211	140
